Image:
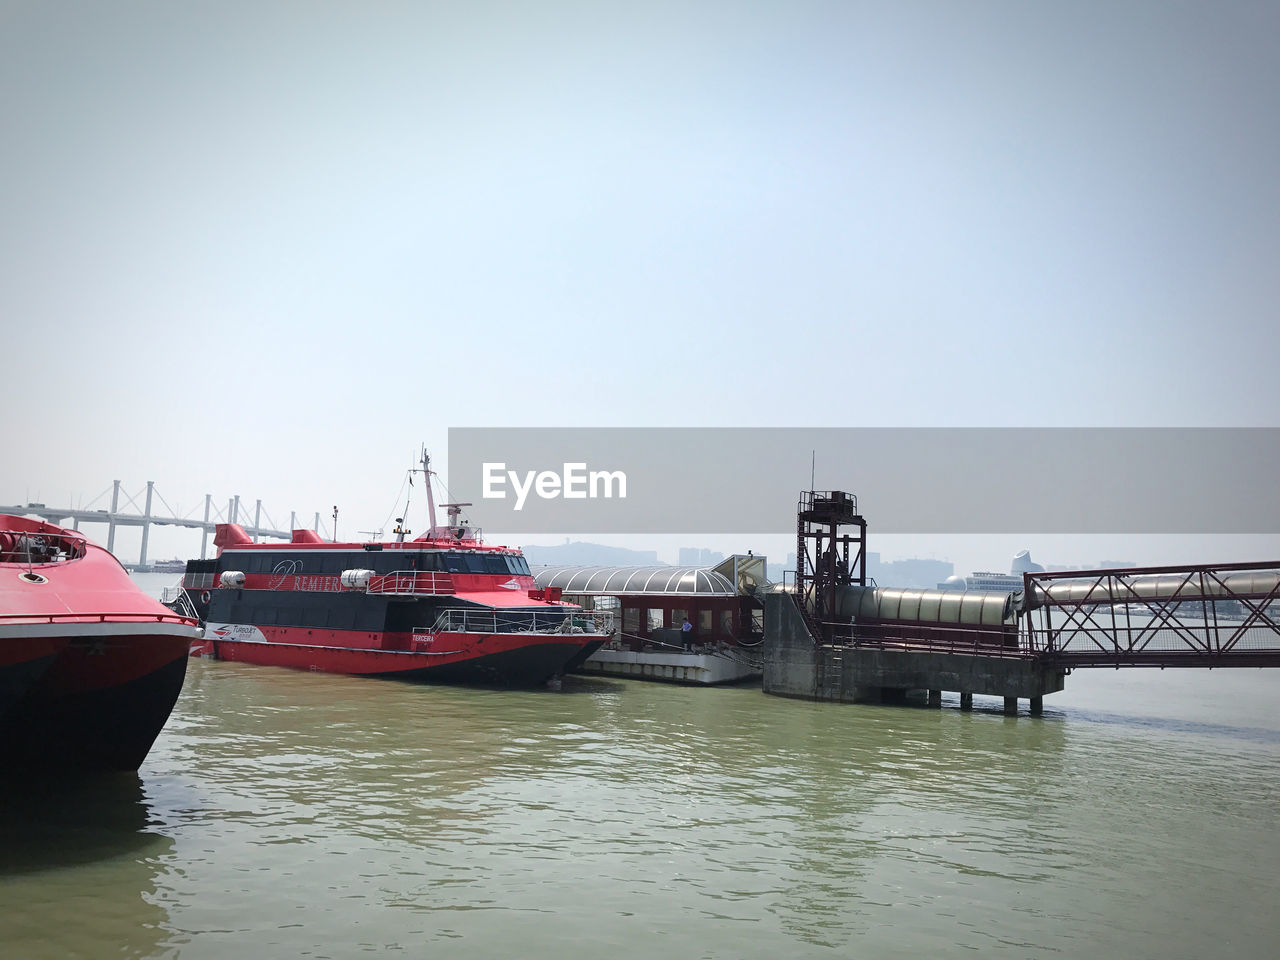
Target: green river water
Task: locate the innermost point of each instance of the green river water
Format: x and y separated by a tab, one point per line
289	814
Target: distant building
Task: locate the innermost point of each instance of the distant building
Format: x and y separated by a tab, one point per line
912	572
578	552
777	571
984	580
1022	563
699	557
991	581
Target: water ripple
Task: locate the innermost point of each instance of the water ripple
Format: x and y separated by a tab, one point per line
302	815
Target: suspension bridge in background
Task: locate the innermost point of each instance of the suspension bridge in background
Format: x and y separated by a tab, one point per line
154	510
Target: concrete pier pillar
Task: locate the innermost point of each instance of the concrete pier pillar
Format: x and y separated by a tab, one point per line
1037	706
204	535
1011	706
111	521
146	527
935	699
966	701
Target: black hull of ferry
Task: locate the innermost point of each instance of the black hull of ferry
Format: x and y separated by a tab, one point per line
110	729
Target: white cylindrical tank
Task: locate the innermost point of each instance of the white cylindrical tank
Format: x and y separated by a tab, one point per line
356	579
1157	587
231	579
974	607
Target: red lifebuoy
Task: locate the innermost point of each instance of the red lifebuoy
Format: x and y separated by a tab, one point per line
204	597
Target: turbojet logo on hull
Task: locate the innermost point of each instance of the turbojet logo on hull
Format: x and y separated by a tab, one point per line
575	482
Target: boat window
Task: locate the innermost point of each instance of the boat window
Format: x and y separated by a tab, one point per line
426	561
455	563
393	561
522	566
475	563
496	563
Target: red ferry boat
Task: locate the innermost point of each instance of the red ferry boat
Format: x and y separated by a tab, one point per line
90	666
445	607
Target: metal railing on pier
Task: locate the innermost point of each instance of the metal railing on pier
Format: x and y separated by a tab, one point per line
931	638
748	655
1204	615
1207	615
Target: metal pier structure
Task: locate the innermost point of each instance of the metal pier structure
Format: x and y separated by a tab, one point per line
835	637
145	515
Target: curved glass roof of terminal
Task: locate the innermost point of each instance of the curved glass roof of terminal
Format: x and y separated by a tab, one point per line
629	581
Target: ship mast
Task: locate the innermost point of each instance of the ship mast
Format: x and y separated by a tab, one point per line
431	500
457	529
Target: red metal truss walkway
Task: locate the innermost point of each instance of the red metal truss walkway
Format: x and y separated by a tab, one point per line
1208	615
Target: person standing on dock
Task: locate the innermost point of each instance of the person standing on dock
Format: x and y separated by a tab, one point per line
686	632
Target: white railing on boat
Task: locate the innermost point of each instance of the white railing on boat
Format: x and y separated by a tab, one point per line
409	583
179	601
466	620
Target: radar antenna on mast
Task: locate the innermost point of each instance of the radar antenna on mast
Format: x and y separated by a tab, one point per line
456	530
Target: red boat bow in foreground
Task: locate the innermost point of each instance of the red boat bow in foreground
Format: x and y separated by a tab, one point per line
90	666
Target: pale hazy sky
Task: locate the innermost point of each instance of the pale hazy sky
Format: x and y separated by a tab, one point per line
267	248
